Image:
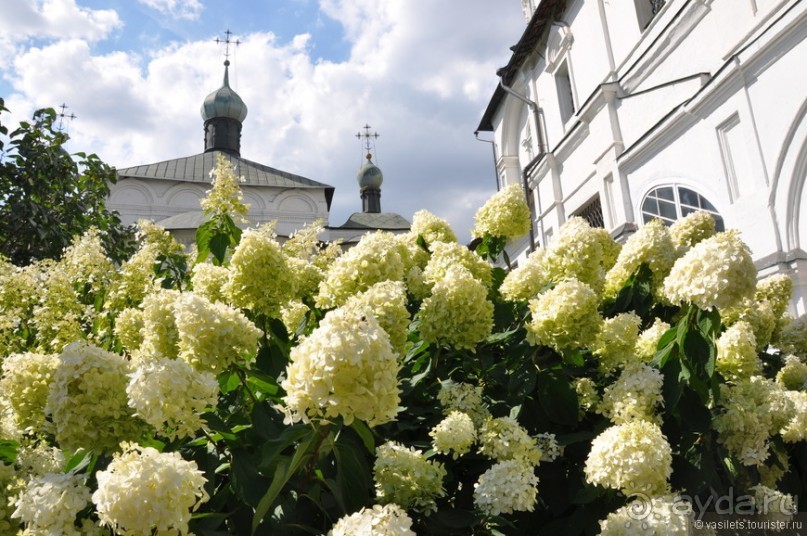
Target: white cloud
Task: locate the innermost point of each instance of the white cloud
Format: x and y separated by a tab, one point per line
420	72
55	19
178	9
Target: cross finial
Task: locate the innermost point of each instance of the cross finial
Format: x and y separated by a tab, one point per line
369	139
227	41
62	116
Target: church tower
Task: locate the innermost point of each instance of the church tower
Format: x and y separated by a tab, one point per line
223	113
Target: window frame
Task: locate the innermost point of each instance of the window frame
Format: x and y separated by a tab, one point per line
682	208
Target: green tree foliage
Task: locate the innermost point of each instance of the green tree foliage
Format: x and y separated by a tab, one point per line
48	196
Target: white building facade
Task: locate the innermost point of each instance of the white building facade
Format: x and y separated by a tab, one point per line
625	110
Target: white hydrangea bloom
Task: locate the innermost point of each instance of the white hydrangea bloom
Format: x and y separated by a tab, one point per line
758	314
346	368
143	490
454	434
447	256
60	318
793	336
793	375
509	486
776	289
129	328
651	245
387	520
636	394
527	280
565	317
647	344
49	503
796	428
587	396
431	228
505	214
463	397
85	376
225	197
504	439
170	395
160	335
24	385
549	447
634	457
405	477
260	278
772	504
377	257
737	352
208	280
576	253
292	314
457	313
85	262
753	410
615	343
717	272
387	302
692	229
667	515
212	336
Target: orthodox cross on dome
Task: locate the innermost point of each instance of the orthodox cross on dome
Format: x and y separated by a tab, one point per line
63	116
227	41
368	139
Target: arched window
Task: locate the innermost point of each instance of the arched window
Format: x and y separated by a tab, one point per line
672	202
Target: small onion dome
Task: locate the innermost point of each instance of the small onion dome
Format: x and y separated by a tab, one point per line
369	175
224	102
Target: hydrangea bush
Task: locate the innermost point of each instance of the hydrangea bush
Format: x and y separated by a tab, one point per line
410	385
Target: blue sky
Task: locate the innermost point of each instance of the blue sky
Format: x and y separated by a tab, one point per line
311	72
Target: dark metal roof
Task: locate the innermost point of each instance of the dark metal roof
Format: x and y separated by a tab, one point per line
197	168
530	40
385	221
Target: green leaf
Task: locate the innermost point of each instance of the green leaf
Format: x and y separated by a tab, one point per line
272	449
8	451
353	477
558	397
366	435
283	472
219	243
204	233
673	384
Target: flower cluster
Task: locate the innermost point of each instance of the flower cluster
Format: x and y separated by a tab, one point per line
457	313
796	428
212	336
153	393
447	256
405	477
505	214
50	502
465	398
647	343
208	280
346	368
24	385
377	257
651	245
431	228
692	229
793	375
143	490
753	410
576	253
260	279
387	520
667	515
565	317
225	197
387	302
504	439
615	343
456	433
636	394
737	352
508	486
86	375
717	272
634	457
527	280
159	331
